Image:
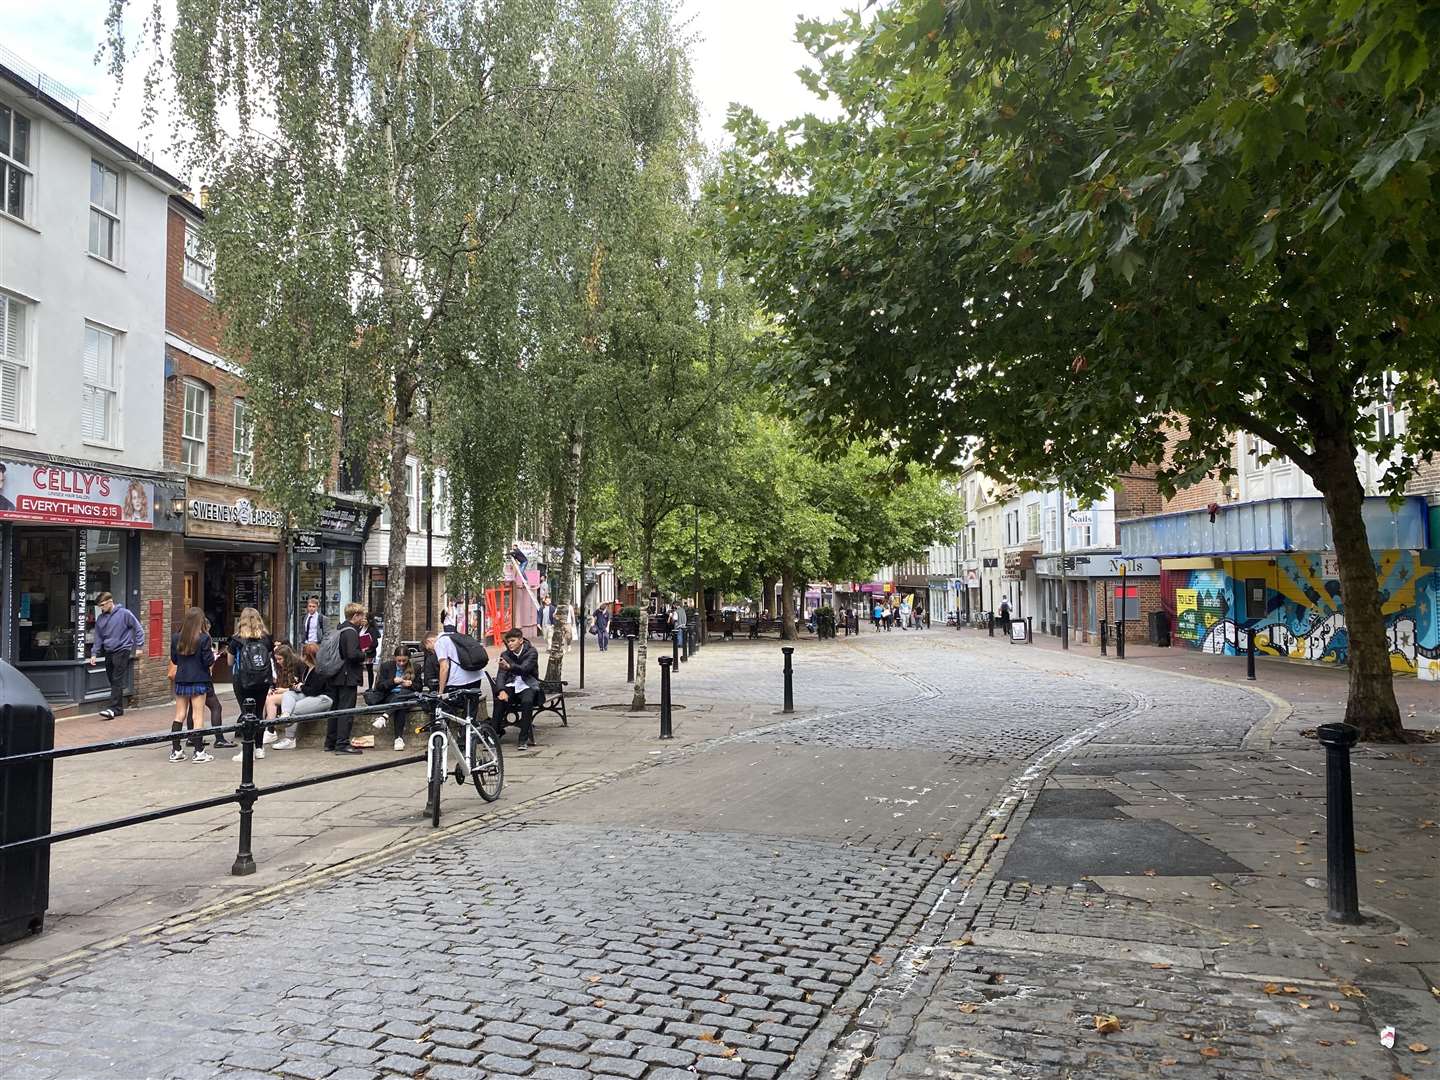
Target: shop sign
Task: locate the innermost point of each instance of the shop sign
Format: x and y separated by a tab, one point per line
82	593
307	544
222	512
990	564
241	512
66	496
345	521
972	579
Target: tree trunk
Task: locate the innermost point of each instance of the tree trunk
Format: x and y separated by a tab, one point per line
399	509
787	605
642	646
767	585
1371	704
567	560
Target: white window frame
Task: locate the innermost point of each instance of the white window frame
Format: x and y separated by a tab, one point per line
1052	532
187	437
198	270
1032	521
242	446
9	162
17	359
95	384
109	216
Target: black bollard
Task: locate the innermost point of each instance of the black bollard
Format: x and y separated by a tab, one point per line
1030	629
630	662
675	656
1339	823
1104	637
666	662
1065	629
1120	639
250	736
789	651
990	622
1250	654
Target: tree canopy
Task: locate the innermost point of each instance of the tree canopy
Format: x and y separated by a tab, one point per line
1052	231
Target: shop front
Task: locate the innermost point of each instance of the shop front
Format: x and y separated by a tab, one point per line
232	557
68	534
1102	586
328	565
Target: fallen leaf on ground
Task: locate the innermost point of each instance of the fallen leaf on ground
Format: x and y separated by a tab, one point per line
1252	926
1216	885
599	1003
1402	942
729	1051
1427	824
1351	1042
1292	989
709	1037
997	836
962	941
1105	1023
1209	1051
1169	1061
1187	1036
1303	1004
1351	991
1324	1042
1417	1048
876	958
1160	967
1270	988
969	1007
1150	872
1333	1006
592	978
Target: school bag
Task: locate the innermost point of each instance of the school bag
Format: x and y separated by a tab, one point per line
252	664
329	660
471	653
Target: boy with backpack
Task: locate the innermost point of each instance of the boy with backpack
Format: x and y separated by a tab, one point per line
341	662
462	662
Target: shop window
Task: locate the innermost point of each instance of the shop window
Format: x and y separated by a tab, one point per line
105	571
15	369
104	212
244	441
195	431
45	601
16	179
99	396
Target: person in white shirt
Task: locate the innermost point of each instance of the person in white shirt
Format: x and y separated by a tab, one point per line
452	676
312	627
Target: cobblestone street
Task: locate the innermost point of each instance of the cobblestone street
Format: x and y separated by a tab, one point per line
956	860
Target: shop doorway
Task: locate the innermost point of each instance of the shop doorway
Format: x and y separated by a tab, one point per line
234	581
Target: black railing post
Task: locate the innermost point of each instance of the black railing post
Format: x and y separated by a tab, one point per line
250	736
1344	893
1065	629
675	648
789	651
990	622
666	662
1250	653
1104	637
1120	639
581	620
630	660
1030	629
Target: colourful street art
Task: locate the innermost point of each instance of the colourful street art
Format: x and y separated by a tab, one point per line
1293	602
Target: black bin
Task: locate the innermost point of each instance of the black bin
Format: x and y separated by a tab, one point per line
26	725
1160	628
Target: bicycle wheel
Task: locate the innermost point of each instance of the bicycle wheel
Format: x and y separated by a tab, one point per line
437	778
487	763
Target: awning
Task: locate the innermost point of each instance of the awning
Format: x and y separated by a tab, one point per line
1270	526
251	547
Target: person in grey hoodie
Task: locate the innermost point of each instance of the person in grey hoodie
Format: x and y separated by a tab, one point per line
118	636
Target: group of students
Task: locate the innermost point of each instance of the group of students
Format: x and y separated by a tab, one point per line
887	616
285	682
282	681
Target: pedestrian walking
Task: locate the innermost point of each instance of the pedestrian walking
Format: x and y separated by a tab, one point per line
118	637
311	694
345	684
252	665
877	614
312	627
1004	614
192	655
544	616
677	623
518	687
213	706
602	626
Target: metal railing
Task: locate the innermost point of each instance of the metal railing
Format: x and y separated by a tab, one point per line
250	728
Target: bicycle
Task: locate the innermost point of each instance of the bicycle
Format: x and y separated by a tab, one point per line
481	753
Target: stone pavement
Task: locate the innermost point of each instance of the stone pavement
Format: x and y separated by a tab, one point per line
957	857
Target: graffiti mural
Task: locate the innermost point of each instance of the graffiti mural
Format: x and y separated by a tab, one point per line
1293	602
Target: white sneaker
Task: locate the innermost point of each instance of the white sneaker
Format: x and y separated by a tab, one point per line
238	757
283	744
399	744
177	755
259	753
378	722
201	756
270	737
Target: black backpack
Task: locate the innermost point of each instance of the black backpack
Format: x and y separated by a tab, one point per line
252	664
471	653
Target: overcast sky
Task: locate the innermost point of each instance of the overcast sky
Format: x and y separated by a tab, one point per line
745	51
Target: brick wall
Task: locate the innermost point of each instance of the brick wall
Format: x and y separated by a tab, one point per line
189	312
1197	496
223	389
1426	481
157	555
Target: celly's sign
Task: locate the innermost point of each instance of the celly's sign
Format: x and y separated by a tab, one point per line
241	512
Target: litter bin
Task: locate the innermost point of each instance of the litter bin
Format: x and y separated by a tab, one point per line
1160	628
26	725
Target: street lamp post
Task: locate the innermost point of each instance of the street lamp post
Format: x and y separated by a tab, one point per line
1064	575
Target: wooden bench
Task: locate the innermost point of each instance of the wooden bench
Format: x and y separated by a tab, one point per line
763	626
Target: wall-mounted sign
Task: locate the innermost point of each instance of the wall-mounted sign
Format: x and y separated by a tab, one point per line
348	521
307	544
66	496
990	564
223	512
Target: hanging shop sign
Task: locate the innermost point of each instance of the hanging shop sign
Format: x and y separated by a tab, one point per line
66	496
307	544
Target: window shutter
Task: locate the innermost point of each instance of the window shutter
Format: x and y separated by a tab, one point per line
9	392
12	328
